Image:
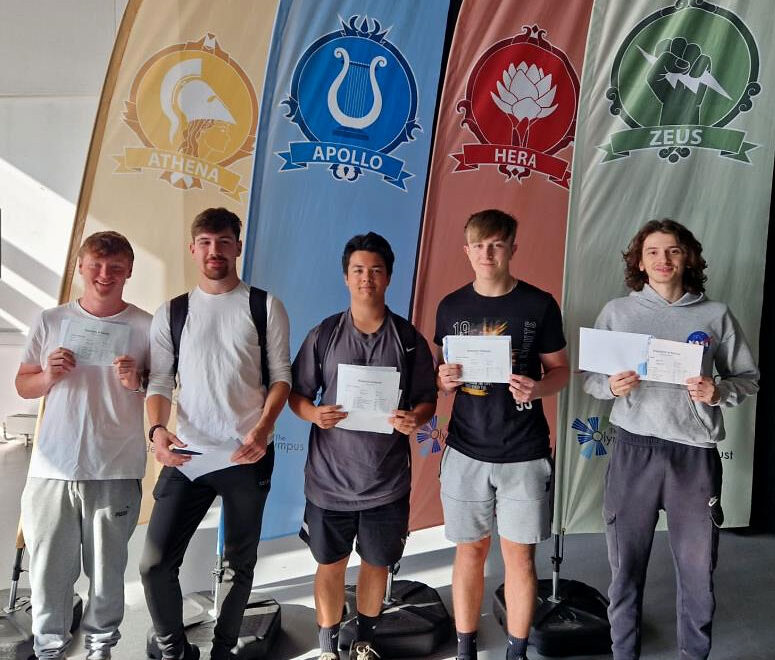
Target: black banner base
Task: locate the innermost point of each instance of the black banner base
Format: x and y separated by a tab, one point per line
16	626
576	625
260	626
413	624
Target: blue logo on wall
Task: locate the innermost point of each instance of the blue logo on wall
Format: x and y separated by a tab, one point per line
592	436
700	337
430	431
354	97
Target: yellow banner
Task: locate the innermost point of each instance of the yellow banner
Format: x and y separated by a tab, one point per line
181	170
179	113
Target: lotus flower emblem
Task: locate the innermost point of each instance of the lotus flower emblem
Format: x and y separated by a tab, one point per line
525	95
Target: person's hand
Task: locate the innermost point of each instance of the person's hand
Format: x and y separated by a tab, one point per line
703	389
449	377
327	416
162	441
126	370
523	389
404	421
59	363
623	383
677	57
253	447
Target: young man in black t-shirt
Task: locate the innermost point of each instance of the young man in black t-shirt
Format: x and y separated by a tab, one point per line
357	482
497	460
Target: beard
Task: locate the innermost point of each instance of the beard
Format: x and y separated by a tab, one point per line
216	272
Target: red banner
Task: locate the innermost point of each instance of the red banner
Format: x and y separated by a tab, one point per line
505	154
506	124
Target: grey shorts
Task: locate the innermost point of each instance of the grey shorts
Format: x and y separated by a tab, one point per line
474	492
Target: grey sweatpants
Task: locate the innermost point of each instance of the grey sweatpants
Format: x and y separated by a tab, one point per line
646	474
64	521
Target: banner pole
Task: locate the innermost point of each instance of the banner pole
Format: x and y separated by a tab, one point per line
556	561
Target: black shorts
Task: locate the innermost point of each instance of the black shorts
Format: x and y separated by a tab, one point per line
380	532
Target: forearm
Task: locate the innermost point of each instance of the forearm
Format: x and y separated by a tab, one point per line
597	385
158	408
553	381
732	390
32	386
302	407
424	411
276	397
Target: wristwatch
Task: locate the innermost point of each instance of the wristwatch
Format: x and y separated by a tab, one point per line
153	428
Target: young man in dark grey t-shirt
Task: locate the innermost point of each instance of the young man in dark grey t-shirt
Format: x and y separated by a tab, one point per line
356	482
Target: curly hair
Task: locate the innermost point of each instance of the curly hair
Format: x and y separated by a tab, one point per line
693	276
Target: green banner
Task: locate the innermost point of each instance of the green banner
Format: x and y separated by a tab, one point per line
728	142
675	122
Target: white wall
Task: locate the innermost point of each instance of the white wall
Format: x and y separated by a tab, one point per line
54	54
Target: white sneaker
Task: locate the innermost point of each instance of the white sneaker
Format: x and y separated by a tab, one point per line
362	651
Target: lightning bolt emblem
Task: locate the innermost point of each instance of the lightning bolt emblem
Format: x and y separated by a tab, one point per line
691	83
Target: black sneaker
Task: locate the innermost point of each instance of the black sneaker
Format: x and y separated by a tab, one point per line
191	652
363	651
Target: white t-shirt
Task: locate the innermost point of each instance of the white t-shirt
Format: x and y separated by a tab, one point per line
220	394
92	426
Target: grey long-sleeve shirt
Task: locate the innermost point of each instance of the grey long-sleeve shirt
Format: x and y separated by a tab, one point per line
665	410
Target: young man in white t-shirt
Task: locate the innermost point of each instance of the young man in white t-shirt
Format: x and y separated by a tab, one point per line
82	497
222	403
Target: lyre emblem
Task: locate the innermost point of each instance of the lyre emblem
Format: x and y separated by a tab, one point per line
362	74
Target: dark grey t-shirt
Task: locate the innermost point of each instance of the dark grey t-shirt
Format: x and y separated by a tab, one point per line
355	470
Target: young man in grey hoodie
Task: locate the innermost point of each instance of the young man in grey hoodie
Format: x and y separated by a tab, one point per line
665	454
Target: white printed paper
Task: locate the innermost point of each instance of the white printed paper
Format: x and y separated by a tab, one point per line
673	361
94	342
610	352
210	458
483	358
368	395
658	360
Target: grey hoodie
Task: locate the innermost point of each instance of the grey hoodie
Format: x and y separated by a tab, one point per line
665	410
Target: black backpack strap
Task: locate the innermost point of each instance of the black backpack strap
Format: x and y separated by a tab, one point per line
407	335
178	315
258	312
325	334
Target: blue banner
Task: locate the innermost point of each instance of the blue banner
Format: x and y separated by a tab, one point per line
343	149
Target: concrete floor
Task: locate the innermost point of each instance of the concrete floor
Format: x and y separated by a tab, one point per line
745	585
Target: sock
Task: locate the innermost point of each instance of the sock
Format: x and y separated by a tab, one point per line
328	638
516	648
466	646
366	626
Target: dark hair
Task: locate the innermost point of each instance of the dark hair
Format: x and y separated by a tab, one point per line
107	244
693	277
370	242
215	221
491	222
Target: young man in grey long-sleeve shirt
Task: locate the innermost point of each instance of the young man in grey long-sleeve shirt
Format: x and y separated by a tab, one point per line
665	453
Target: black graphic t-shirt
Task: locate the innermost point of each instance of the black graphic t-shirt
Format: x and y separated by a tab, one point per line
487	424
